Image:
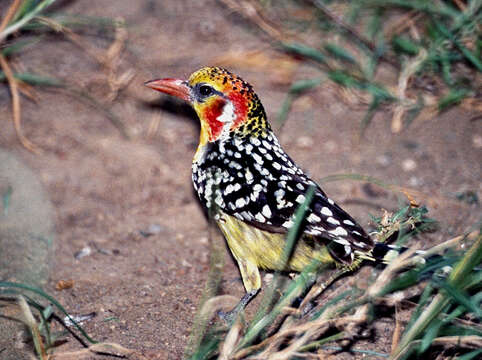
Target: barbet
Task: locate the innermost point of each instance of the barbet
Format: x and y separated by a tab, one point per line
242	174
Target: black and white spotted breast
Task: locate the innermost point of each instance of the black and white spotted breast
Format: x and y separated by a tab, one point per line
254	180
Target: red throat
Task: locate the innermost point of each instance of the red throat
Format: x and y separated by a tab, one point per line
211	114
240	107
215	110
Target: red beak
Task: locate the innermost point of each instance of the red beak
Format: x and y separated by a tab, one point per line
174	87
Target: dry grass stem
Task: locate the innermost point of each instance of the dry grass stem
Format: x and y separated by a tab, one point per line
113	349
108	59
231	340
407	72
217	303
33	327
400	25
397	332
460	4
10	14
253	12
16	109
452	243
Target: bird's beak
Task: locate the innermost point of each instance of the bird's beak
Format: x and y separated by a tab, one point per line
175	87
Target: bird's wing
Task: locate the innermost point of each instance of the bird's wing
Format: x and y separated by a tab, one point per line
271	207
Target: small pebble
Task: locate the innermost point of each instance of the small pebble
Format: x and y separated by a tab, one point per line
409	165
304	142
330	146
151	230
414	181
384	160
477	141
86	251
185	263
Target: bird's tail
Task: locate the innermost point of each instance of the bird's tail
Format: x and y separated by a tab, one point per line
383	253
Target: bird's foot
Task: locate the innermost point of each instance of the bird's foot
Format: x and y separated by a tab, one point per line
228	316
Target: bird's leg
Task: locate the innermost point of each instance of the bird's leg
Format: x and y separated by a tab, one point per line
318	288
229	316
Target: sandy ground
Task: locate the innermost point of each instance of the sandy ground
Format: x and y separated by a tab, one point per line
105	189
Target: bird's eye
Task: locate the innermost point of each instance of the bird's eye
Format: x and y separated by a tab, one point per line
205	90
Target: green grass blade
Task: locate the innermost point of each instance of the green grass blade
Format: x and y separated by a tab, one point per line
18	46
404	45
29	15
304	85
430	334
467	53
340	53
34	79
304	51
461	271
295	90
454	97
7	284
25	7
471	355
461	298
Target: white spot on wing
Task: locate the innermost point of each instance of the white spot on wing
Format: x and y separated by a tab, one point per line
347	249
313	218
325	211
249	176
257	187
240	203
258	159
267	211
342	241
300	199
255	141
288	223
260	217
339	231
333	221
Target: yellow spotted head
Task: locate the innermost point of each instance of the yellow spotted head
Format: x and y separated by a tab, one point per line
225	104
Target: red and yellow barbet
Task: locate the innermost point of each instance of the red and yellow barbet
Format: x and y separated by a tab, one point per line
241	172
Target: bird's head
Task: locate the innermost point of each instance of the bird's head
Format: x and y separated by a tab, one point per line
226	105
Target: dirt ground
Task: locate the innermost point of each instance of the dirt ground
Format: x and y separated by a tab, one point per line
105	188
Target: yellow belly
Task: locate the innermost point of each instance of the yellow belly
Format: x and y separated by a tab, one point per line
254	248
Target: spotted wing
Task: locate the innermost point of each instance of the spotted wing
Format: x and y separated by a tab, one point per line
266	188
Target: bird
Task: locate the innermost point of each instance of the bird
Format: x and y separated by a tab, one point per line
253	188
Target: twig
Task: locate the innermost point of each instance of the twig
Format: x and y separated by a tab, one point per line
12	82
397	331
112	349
460	5
402	23
9	15
407	72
